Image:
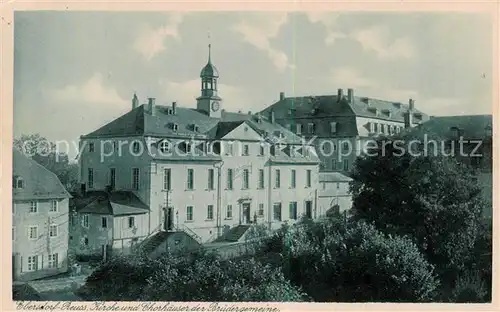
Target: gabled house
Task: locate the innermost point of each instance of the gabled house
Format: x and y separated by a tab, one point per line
40	218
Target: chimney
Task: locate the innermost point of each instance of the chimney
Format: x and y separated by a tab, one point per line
135	101
350	95
249	112
174	108
272	116
411	103
340	95
409	119
282	96
151	106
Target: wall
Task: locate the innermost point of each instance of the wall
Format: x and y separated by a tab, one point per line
334	193
23	246
96	234
124	237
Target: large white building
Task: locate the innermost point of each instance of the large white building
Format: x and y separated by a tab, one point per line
201	171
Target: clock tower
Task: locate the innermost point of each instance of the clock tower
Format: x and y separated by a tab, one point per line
209	102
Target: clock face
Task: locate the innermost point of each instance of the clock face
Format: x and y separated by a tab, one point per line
215	106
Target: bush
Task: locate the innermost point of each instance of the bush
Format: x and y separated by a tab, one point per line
335	260
193	277
469	288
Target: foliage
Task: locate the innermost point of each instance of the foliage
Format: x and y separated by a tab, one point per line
339	260
470	288
430	198
193	277
45	153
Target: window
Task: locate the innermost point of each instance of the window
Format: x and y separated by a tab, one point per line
13	233
165	147
375	127
278	179
246	178
277	211
136	146
189	213
190	179
261	178
334	164
308	178
293	210
229	212
33	232
104	222
298	128
175	127
167	179
33	207
53	260
53	206
261	150
18	183
53	230
229	185
338	185
189	147
346	165
292	178
229	148
112	178
91	147
210	212
246	151
32	263
311	127
135	178
210	179
85	220
261	210
345	146
85	240
131	222
90	178
333	127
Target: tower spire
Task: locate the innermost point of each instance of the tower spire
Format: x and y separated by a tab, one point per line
209	48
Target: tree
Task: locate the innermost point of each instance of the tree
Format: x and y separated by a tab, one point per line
349	261
190	277
431	198
45	153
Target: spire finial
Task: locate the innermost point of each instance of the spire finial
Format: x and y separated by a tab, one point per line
209	46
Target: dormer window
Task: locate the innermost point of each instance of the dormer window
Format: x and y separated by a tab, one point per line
311	128
170	111
455	132
279	134
397	105
91	147
333	127
387	113
165	147
175	126
208	147
18	183
196	128
189	147
418	115
373	110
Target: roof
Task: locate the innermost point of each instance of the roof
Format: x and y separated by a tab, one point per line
209	71
333	177
39	182
116	203
329	105
469	126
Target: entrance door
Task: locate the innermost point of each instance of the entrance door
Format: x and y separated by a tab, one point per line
309	209
246	213
169	219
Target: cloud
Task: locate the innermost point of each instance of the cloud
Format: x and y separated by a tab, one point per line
91	91
377	39
151	41
348	77
185	93
258	29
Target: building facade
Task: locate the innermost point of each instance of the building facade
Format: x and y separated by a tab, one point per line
201	171
333	193
40	218
339	125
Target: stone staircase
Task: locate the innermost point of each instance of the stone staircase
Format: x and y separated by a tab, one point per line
234	234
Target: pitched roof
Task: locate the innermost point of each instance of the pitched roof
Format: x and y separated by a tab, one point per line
116	203
38	181
469	126
329	105
333	177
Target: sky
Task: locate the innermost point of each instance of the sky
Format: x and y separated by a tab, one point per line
76	71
